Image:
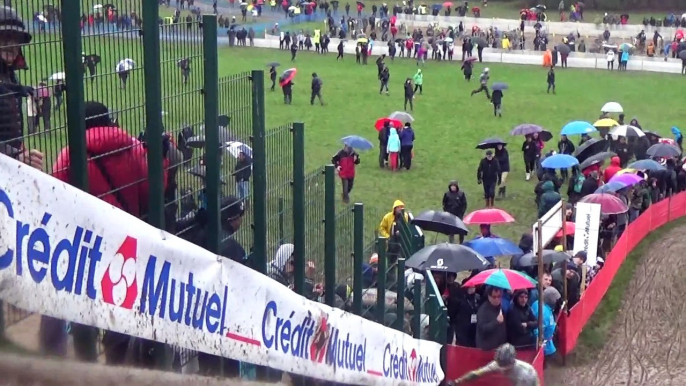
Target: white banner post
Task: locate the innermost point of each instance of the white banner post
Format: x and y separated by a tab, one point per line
551	223
587	231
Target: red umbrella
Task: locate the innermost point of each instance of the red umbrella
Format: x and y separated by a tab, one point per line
502	278
381	122
488	216
609	203
570	227
447	4
471	59
287	76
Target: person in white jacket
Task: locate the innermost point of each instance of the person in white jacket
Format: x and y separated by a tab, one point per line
611	60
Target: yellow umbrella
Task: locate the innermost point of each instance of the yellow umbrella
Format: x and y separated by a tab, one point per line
607	122
363	40
626	171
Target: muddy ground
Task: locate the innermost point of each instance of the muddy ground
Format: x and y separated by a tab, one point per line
648	346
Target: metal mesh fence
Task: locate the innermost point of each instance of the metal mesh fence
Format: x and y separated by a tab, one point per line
314	223
279	145
345	240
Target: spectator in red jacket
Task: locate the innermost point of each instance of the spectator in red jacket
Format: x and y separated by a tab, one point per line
611	170
345	161
118	175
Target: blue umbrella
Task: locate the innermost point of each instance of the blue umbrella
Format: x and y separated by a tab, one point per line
357	142
499	86
610	187
494	246
578	128
646	164
559	161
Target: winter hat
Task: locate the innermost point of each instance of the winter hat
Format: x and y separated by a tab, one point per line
97	115
551	296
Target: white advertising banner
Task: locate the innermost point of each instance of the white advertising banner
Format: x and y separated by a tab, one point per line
67	254
587	231
551	223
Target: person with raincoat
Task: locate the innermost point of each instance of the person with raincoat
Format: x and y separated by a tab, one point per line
548	199
467	70
551	80
418	80
551	299
624	60
678	137
345	162
393	149
454	200
389	219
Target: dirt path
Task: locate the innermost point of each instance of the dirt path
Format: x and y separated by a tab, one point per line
648	345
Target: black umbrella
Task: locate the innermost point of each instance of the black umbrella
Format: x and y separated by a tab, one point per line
273	64
591	147
95	59
545	135
563	49
361	4
225	135
481	42
440	222
682	55
549	257
399	40
596	159
663	150
653	137
447	257
490	143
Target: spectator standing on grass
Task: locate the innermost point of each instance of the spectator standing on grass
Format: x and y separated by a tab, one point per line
393	149
497	101
287	89
455	201
345	162
406	145
272	76
489	175
551	80
503	157
610	57
491	330
316	89
418	80
409	94
549	198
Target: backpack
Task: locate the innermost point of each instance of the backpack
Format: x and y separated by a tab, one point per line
579	182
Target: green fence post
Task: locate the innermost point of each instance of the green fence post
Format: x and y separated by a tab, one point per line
417	301
259	179
299	205
85	337
330	235
212	145
400	320
358	257
153	134
381	244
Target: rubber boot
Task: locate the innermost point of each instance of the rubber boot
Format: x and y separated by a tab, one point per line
501	192
504	191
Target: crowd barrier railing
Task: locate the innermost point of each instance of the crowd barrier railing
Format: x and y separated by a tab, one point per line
460	360
527	57
553	27
659	214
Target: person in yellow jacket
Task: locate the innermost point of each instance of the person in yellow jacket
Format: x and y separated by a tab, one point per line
387	222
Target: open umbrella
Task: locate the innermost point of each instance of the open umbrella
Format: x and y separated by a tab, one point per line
494	246
236	148
361	36
287	76
488	216
526	129
612	107
559	161
361	4
549	257
606	123
92	58
570	229
610	187
627	179
609	203
545	135
481	42
663	150
447	4
652	137
357	142
381	122
125	65
578	128
682	55
646	164
506	279
596	159
447	257
490	143
627	131
499	86
626	47
563	49
440	222
625	171
589	148
201	172
273	64
57	76
471	59
362	41
401	116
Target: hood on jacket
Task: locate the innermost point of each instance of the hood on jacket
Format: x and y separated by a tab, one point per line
548	186
516	295
676	132
455	184
615	161
393	131
282	255
396	204
550	297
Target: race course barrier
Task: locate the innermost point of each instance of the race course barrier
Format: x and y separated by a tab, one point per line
69	255
657	215
625	31
528	57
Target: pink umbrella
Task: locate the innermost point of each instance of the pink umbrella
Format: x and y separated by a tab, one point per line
488	216
609	203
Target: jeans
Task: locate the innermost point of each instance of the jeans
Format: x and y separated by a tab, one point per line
243	189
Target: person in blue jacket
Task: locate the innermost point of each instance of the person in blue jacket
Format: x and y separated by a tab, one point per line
406	145
678	138
551	297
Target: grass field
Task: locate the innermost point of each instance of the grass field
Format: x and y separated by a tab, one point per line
449	123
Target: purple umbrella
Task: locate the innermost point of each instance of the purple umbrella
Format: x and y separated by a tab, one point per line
526	129
627	179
